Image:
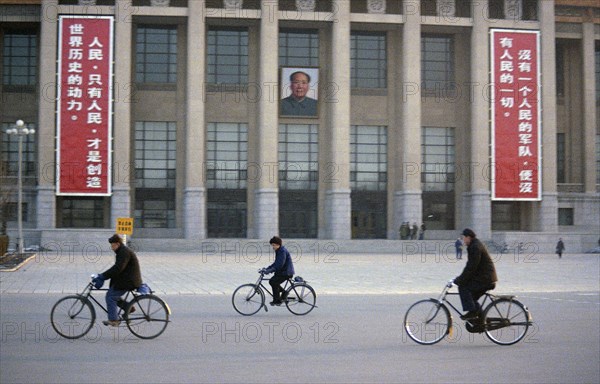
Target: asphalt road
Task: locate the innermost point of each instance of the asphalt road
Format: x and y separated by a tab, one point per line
348	339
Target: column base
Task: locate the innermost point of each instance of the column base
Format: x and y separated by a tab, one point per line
194	213
408	206
120	204
46	207
266	214
337	207
476	213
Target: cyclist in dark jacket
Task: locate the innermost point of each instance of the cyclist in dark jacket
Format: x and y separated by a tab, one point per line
283	268
124	275
478	276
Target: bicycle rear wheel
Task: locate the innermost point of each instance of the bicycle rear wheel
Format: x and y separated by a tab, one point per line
301	299
248	299
427	321
147	316
72	316
506	321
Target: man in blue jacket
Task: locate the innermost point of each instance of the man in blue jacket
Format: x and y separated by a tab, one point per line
283	268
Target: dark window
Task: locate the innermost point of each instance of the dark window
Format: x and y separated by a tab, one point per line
299	48
368	158
226	155
156	54
368	60
227	59
155	174
561	170
298	180
226	179
19	58
560	70
82	212
298	156
437	63
438	154
565	216
505	216
597	56
438	177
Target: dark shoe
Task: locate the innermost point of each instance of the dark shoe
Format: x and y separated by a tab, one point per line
273	303
470	315
112	323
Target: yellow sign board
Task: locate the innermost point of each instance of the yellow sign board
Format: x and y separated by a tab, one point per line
125	226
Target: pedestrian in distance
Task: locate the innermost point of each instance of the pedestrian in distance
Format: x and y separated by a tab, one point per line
283	267
413	231
125	275
422	232
560	247
458	244
478	276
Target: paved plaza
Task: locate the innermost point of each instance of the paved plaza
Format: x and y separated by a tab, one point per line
219	273
354	336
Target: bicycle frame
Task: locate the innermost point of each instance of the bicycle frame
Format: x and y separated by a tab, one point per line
261	278
87	294
442	299
289	284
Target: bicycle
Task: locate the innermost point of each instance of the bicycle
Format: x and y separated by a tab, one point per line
146	315
298	296
504	320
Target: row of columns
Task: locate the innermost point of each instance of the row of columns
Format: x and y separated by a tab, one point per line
263	194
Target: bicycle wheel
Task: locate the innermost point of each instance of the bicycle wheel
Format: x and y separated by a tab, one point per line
147	316
301	299
72	316
506	321
427	321
248	299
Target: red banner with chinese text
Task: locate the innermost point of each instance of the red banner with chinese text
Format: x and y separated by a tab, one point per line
516	106
84	105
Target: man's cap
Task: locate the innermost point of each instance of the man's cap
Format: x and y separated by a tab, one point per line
468	232
115	239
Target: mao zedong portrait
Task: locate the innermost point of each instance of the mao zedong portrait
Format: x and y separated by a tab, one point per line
297	103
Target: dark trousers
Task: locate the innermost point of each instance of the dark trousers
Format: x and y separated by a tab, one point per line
471	292
275	282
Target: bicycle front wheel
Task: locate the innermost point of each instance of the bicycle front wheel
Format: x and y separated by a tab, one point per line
506	321
248	299
427	321
301	299
72	316
147	316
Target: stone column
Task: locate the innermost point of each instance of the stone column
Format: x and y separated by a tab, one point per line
407	201
589	107
123	166
545	213
264	189
194	191
592	198
336	203
46	198
476	207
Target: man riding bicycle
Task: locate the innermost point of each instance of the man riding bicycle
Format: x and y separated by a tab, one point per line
283	268
124	275
478	276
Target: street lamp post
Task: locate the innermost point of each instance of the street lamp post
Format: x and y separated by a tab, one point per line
21	130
